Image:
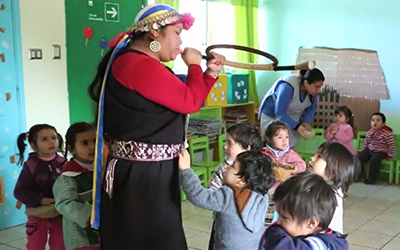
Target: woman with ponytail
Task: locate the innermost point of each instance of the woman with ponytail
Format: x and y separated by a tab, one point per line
292	100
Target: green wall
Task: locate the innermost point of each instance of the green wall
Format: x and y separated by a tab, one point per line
82	58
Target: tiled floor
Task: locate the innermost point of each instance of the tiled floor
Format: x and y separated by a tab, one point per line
372	219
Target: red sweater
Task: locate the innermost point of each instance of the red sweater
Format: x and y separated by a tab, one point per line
160	86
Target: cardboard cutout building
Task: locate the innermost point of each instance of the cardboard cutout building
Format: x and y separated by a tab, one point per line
353	77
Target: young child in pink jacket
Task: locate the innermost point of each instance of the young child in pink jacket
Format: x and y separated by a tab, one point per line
278	148
341	130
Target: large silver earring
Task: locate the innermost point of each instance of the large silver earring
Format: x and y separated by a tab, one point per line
155	46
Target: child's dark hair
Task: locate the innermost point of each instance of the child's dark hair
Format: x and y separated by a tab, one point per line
341	166
73	130
347	113
272	128
246	134
381	115
311	76
304	196
256	170
31	135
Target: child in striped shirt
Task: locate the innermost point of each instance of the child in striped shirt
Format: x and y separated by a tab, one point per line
378	145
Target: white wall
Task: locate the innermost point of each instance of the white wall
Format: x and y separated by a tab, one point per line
45	81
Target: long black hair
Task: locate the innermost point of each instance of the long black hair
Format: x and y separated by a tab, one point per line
32	137
95	86
311	76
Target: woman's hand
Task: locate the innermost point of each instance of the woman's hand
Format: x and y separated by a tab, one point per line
300	130
214	66
184	160
191	56
307	126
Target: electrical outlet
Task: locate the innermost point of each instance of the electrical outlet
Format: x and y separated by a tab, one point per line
35	54
56	51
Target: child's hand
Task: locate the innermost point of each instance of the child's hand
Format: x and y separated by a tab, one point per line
335	128
47	201
184	160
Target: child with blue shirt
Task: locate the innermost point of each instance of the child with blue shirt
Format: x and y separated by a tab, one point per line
306	204
240	205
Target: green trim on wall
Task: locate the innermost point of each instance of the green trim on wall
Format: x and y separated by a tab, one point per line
83	56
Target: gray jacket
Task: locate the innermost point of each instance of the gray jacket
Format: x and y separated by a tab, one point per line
234	229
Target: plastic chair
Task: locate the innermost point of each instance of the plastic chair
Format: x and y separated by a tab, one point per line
360	138
391	166
306	148
201	144
202	174
221	144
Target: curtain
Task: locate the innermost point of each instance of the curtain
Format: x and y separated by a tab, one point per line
246	15
173	3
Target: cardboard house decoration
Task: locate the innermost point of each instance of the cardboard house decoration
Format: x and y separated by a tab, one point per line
353	77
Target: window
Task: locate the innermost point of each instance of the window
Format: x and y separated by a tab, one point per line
214	24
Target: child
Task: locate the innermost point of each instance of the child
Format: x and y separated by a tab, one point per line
73	189
278	148
240	205
35	183
342	130
286	160
378	145
239	138
306	204
336	165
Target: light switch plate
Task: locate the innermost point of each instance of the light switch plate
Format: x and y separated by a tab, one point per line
35	54
56	51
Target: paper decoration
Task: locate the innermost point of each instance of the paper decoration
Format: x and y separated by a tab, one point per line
351	72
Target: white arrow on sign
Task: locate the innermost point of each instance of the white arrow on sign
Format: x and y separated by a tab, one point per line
112	12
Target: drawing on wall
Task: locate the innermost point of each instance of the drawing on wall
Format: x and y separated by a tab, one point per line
11	114
103	45
353	77
87	33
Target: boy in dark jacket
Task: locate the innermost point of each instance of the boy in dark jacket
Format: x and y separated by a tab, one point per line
305	203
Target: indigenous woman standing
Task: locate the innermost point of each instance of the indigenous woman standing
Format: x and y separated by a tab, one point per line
143	116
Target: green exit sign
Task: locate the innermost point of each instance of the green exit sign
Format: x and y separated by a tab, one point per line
111	12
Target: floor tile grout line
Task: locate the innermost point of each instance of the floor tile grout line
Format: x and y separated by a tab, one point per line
5	244
390	240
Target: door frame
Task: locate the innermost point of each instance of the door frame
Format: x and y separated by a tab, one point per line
19	77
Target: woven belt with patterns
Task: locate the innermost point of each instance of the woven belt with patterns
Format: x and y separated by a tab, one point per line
138	151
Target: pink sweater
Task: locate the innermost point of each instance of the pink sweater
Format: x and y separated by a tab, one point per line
290	157
343	136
